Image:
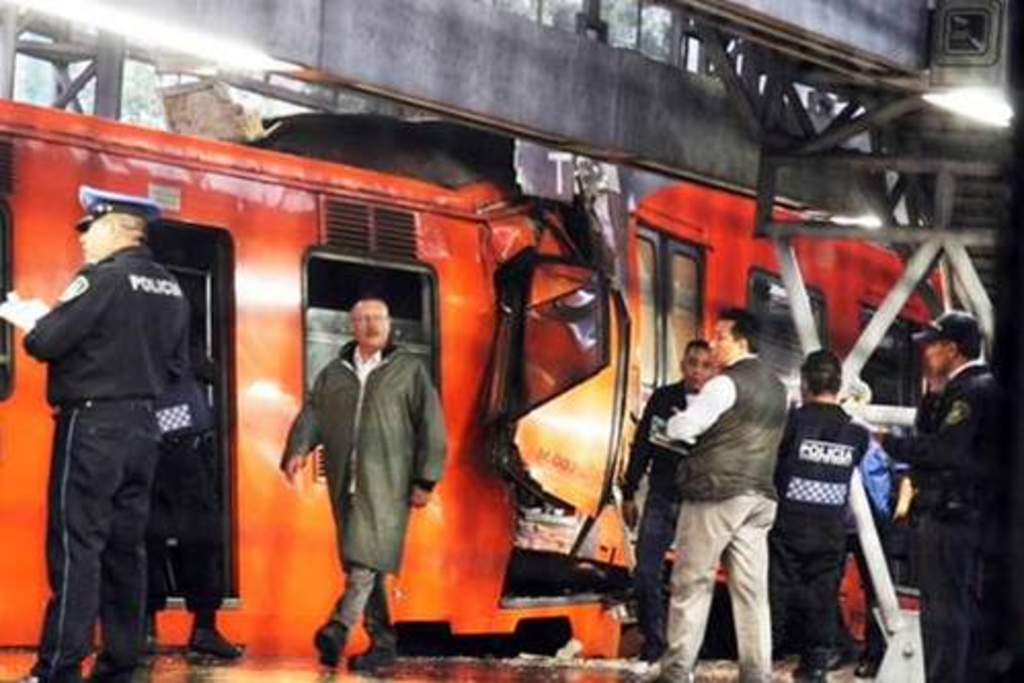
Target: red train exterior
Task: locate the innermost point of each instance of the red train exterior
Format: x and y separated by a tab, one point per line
269	216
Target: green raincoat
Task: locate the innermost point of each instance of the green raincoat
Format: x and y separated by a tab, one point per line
379	439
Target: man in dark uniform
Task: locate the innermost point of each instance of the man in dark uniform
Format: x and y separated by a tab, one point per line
185	506
957	497
117	335
820	448
661	508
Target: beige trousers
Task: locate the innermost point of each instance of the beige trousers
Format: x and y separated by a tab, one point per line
734	531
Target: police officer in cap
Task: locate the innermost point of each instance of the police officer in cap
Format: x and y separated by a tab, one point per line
953	470
117	335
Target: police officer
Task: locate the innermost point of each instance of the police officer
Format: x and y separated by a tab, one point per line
116	336
661	507
186	507
807	545
952	467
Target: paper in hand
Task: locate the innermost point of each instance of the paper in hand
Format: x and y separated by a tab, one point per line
659	437
21	313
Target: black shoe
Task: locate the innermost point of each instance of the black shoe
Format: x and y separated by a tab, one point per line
377	658
330	640
802	675
209	641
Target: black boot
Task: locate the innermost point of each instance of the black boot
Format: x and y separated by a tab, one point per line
378	657
330	640
209	641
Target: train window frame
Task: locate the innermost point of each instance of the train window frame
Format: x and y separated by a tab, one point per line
650	239
816	296
526	402
7	348
674	248
666	246
913	385
430	304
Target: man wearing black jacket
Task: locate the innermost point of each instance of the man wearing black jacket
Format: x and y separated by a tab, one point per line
958	497
661	508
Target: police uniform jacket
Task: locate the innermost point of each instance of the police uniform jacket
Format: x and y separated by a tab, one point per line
662	462
953	465
820	448
119	331
380	438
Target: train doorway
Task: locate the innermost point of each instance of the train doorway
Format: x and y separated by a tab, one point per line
202	260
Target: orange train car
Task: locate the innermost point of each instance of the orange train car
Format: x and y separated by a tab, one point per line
541	357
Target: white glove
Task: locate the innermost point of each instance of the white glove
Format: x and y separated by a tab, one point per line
20	313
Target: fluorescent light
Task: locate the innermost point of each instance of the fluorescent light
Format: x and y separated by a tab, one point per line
159	33
868	220
987	105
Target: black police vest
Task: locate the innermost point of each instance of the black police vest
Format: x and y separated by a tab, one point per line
819	451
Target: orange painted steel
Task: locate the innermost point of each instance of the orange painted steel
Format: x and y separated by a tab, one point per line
459	546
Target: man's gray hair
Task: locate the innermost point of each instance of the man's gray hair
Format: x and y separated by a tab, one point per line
370	299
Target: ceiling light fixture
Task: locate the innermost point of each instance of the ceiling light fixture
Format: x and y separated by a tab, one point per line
986	105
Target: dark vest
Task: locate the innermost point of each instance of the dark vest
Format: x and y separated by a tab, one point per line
820	449
737	454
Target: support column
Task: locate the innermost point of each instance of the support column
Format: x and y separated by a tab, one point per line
110	55
918	267
977	296
8	49
799	300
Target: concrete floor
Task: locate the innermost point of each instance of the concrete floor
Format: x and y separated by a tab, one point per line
180	669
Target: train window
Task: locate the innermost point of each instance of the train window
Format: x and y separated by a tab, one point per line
334	284
6	329
648	314
779	345
565	333
684	304
894	370
671	302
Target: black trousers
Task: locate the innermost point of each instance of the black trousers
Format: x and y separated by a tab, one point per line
98	500
806	558
657	532
186	508
948	576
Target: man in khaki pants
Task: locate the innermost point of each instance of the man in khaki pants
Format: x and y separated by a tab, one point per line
734	426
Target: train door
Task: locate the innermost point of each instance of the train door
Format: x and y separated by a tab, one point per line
202	261
671	305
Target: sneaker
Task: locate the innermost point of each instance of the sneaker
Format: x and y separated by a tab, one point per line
209	641
330	640
377	658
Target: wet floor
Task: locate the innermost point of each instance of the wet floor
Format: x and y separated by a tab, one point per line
179	669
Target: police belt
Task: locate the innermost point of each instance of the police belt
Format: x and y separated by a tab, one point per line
124	401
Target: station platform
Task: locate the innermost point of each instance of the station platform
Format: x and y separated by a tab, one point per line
179	668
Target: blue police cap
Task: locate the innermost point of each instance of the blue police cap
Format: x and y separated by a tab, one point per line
100	202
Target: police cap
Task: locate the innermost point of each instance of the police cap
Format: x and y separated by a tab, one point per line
99	203
958	327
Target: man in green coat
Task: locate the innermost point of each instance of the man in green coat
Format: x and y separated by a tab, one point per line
377	415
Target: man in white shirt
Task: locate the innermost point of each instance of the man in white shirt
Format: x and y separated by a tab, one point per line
733	426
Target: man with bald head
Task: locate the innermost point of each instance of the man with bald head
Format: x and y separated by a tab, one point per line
376	414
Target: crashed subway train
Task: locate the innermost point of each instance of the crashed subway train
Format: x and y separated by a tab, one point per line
544	333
